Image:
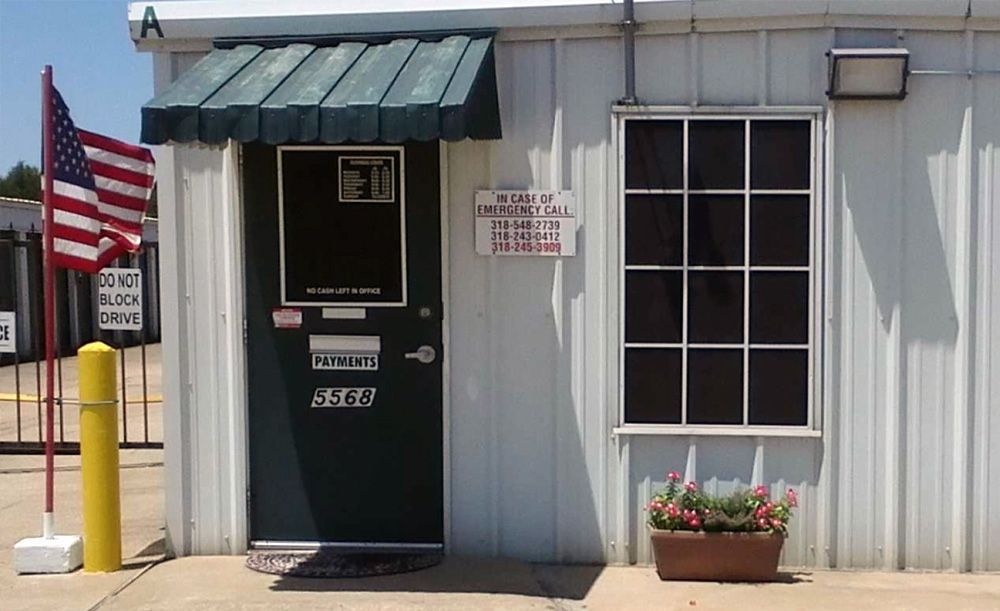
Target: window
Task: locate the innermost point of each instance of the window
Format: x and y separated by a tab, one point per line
718	271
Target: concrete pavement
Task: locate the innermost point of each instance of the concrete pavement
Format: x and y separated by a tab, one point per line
475	583
22	484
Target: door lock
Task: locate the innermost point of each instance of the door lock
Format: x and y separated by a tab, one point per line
424	354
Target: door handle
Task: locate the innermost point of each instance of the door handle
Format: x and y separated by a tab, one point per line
425	354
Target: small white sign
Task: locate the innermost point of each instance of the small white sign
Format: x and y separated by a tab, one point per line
8	332
343	397
119	299
526	223
344	362
345	352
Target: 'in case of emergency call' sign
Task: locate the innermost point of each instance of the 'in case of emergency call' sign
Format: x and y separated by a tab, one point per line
119	299
8	332
526	223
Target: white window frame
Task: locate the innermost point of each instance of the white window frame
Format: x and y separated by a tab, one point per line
815	347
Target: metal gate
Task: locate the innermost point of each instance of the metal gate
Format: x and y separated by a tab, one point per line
22	373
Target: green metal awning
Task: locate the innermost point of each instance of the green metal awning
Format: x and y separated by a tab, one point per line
404	89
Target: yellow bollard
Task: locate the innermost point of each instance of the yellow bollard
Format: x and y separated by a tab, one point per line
102	533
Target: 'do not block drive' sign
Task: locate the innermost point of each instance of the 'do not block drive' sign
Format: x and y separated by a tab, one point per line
8	330
119	299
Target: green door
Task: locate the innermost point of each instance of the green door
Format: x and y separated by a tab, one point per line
343	311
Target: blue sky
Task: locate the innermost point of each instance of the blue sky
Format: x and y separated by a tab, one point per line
100	75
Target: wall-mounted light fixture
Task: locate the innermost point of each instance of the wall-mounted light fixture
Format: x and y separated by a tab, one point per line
868	74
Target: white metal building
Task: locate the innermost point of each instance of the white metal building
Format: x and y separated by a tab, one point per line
865	377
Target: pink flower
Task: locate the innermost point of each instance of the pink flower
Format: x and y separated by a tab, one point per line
775	522
674	476
761	511
760	491
793	499
690	486
762	523
694	522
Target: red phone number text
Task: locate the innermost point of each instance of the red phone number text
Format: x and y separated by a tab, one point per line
527	247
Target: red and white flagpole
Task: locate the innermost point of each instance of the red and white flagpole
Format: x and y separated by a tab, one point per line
48	519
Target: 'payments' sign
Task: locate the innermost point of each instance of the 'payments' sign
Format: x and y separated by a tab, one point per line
8	329
119	299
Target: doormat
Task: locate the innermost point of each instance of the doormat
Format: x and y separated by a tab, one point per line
330	563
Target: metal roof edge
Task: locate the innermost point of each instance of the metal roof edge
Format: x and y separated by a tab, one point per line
19	201
186	23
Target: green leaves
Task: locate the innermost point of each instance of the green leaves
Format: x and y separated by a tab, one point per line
22	181
687	507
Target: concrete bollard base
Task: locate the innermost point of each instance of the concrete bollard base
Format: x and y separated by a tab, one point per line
59	554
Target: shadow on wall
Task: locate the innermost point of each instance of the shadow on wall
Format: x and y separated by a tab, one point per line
527	413
895	177
897	227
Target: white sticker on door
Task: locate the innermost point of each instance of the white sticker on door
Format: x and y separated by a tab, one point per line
344	362
344	352
343	397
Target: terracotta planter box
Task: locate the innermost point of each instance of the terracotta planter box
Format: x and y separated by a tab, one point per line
701	556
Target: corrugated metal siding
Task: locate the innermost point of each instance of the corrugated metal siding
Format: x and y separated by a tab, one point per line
201	270
905	474
902	476
529	414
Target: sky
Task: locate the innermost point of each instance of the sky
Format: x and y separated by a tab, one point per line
103	80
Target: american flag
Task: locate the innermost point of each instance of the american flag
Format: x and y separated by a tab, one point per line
100	188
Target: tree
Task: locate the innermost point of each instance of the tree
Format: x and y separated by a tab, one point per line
22	181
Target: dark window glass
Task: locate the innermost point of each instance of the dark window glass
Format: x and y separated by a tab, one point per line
779	154
654	154
779	307
715	387
715	229
715	155
653	385
779	230
654	230
779	386
653	306
715	307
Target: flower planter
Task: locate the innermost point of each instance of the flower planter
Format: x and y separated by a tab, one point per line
716	556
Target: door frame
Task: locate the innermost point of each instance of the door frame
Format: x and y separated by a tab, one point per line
241	410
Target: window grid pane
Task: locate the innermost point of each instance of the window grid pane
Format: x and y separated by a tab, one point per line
745	267
687	240
746	272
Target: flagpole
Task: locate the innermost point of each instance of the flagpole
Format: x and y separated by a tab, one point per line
48	520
